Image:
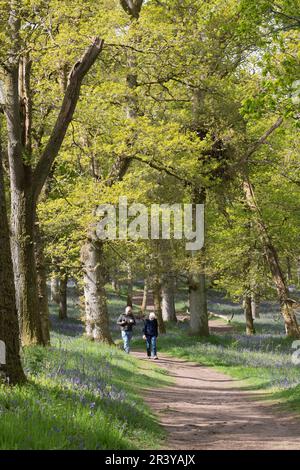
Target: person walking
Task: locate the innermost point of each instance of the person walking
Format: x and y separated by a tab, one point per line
126	322
150	332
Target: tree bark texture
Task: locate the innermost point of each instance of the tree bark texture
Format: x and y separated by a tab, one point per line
157	306
96	315
198	305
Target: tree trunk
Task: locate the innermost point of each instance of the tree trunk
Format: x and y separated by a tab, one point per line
287	311
55	290
289	275
197	285
250	330
157	307
10	363
129	286
42	286
168	299
198	305
96	315
132	7
23	211
23	251
145	297
63	308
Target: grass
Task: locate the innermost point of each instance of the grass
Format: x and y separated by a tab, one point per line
80	395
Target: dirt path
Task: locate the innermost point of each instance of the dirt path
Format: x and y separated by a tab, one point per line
205	409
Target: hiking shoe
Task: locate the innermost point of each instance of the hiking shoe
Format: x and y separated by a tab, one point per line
155	358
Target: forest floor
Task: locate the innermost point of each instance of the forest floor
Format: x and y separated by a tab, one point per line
80	396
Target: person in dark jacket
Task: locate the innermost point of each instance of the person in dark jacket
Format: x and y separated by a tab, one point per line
126	322
150	332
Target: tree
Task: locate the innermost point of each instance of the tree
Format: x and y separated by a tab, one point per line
171	119
156	288
145	296
54	289
96	316
286	303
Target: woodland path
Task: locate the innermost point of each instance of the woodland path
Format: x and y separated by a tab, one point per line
205	409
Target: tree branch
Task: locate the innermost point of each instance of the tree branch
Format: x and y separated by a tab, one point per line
78	72
160	168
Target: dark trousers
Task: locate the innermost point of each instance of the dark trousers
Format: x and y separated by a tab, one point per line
151	345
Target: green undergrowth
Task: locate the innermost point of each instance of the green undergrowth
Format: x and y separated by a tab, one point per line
80	395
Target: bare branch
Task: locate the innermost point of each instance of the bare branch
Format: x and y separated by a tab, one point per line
158	167
65	116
